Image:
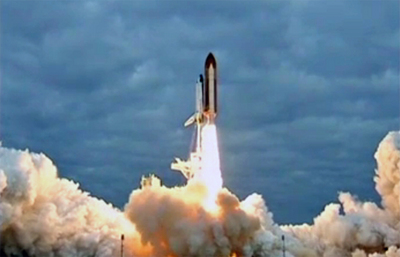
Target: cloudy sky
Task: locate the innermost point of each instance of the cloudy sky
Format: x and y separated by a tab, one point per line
307	91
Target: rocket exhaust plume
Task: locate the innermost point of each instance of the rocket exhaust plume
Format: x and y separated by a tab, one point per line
210	174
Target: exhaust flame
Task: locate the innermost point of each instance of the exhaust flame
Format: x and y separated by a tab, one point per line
210	173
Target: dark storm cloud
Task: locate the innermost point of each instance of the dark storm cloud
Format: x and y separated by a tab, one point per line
307	90
344	38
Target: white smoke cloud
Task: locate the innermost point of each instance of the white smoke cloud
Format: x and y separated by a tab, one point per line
387	177
364	227
44	215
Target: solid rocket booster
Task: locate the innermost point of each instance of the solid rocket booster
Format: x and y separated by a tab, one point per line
199	95
210	88
197	117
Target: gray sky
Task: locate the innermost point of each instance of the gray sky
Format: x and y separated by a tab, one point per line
307	91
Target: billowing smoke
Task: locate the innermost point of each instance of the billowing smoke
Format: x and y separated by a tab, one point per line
364	227
44	215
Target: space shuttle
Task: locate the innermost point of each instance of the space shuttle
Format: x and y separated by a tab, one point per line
206	94
205	113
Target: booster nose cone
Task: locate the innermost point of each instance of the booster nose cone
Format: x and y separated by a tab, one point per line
210	60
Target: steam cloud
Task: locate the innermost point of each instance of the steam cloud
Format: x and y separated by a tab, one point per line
44	215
